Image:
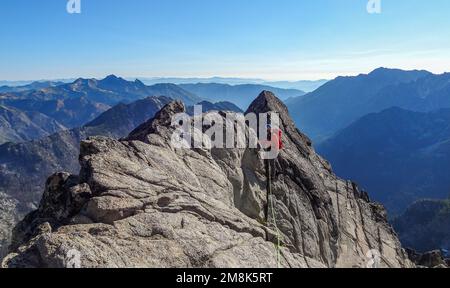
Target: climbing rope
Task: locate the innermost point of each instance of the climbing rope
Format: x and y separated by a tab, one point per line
272	207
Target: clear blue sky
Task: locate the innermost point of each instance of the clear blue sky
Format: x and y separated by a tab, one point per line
270	39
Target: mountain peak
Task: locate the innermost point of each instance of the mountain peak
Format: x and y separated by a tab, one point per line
267	102
170	110
163	119
382	69
79	83
166	85
112	77
139	82
398	72
79	80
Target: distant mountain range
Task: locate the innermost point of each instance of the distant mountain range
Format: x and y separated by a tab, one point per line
32	86
339	102
399	156
241	95
69	112
18	126
110	91
303	85
218	106
69	105
42	108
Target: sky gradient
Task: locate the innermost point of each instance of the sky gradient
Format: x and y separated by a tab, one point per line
268	39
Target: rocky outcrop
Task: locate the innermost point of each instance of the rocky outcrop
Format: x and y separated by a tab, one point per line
8	217
425	226
432	259
24	167
141	202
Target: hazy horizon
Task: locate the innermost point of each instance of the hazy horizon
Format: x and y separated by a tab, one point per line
199	78
130	78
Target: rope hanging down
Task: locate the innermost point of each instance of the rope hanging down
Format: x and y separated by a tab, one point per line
275	143
271	206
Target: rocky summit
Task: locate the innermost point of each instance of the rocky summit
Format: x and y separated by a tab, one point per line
141	202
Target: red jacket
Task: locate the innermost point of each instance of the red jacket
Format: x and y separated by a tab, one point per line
276	135
280	139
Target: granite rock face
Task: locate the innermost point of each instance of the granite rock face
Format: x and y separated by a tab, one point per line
8	217
24	167
140	202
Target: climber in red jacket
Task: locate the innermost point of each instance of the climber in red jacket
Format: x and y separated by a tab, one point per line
276	139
